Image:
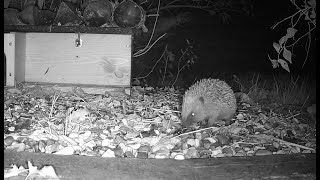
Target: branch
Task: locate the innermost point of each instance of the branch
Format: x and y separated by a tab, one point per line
165	49
274	26
301	37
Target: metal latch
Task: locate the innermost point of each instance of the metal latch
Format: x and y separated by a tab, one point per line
78	41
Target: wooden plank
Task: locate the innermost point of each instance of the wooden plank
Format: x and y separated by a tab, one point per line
67	29
89	89
103	59
14	49
9	50
293	166
20	56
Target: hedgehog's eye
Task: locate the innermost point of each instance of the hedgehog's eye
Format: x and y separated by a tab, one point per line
192	114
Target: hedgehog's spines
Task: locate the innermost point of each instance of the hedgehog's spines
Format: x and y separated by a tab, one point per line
215	97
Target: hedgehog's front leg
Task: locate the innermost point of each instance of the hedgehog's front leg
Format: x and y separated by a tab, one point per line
213	118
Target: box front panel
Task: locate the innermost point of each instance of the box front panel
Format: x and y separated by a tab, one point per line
9	53
102	59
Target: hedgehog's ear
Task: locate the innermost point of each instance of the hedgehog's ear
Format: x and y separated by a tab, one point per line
201	99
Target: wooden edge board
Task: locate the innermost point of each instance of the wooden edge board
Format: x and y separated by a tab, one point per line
293	166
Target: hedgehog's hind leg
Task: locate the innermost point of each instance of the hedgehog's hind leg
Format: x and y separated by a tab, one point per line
226	116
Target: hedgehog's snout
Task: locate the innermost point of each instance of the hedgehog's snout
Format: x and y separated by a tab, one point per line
187	121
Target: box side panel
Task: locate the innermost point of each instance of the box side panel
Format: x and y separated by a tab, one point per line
20	55
9	51
102	59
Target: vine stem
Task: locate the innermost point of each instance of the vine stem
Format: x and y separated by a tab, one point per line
146	48
140	53
301	37
179	69
165	49
275	25
165	69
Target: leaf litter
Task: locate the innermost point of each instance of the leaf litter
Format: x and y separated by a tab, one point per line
145	125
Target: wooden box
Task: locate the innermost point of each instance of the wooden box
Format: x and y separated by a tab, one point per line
88	60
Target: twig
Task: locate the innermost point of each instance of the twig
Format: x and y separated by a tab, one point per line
275	25
293	116
293	144
154	65
180	69
167	110
307	48
302	37
165	69
140	53
213	130
54	100
154	27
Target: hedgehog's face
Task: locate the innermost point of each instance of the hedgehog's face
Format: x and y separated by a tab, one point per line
196	113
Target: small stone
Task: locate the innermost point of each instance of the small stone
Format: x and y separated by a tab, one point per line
228	151
216	152
239	154
52	148
42	146
22	139
65	151
160	156
280	152
205	153
14	91
163	151
19	147
237	149
119	139
142	155
85	135
306	151
8	140
61	107
179	157
240	117
262	152
108	143
134	146
73	135
211	140
191	142
50	142
197	143
118	152
224	140
220	155
128	154
267	126
192	152
184	146
198	135
276	144
108	153
90	144
145	134
17	108
144	148
91	153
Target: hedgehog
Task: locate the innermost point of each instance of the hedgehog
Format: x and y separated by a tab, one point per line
208	100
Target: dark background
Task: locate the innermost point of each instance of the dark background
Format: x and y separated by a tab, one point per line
242	44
